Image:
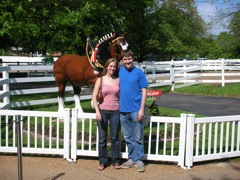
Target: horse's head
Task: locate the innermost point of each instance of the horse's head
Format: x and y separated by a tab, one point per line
118	44
111	45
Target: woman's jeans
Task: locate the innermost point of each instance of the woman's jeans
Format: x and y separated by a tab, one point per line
114	119
133	135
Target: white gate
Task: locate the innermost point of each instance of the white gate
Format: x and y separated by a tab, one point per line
212	138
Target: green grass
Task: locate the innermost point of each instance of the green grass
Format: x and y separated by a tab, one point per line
231	90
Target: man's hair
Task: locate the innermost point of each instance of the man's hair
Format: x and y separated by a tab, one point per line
127	53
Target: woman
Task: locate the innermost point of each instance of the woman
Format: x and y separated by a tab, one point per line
108	110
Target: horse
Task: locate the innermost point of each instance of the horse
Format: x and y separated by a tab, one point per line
83	71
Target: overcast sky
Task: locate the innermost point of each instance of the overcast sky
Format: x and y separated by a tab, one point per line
210	11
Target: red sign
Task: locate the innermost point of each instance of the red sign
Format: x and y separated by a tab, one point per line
153	92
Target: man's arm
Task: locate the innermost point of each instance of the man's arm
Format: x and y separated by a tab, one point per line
143	103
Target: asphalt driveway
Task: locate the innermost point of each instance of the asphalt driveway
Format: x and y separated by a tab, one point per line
203	105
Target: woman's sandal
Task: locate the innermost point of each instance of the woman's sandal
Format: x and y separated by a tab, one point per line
101	167
117	166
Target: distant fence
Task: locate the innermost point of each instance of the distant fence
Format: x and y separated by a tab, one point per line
22	61
186	73
184	140
175	74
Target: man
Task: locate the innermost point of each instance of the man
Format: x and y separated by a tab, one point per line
133	83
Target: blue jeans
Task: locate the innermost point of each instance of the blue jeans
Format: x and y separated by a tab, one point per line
114	119
133	135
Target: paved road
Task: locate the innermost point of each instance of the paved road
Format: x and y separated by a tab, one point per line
204	105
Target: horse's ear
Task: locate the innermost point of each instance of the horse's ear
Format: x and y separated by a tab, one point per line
124	34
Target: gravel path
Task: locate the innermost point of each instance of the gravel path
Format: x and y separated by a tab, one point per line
46	168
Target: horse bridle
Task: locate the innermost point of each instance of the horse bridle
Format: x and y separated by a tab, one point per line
122	45
95	60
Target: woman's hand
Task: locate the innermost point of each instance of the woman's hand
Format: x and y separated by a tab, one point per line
98	116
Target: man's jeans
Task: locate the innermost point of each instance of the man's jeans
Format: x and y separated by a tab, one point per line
114	118
133	135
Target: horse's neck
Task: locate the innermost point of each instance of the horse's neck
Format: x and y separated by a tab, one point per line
103	52
103	56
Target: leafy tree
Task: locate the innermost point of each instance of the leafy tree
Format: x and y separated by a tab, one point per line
55	25
222	47
166	27
235	30
175	29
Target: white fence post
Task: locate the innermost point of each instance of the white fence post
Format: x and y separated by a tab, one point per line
5	75
67	134
189	140
182	140
74	135
184	69
172	75
154	73
223	71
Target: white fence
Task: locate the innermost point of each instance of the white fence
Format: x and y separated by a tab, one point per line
6	92
23	60
40	132
183	140
186	73
175	74
212	138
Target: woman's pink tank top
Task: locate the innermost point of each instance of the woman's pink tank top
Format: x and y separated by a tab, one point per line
110	96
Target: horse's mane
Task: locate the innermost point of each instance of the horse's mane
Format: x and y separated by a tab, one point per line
104	41
103	44
106	37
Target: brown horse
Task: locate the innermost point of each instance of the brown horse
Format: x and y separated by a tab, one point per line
82	71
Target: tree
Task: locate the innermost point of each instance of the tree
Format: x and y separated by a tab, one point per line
55	25
175	29
166	27
223	46
235	30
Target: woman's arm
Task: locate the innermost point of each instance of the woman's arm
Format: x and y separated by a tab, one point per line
94	98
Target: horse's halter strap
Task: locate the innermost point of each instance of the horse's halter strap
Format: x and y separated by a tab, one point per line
93	57
113	48
113	44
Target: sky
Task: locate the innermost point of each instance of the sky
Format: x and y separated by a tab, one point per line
210	13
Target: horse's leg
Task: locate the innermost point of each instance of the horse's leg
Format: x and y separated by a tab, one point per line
60	104
77	91
61	90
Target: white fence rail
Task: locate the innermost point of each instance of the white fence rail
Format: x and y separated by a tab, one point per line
186	73
183	140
